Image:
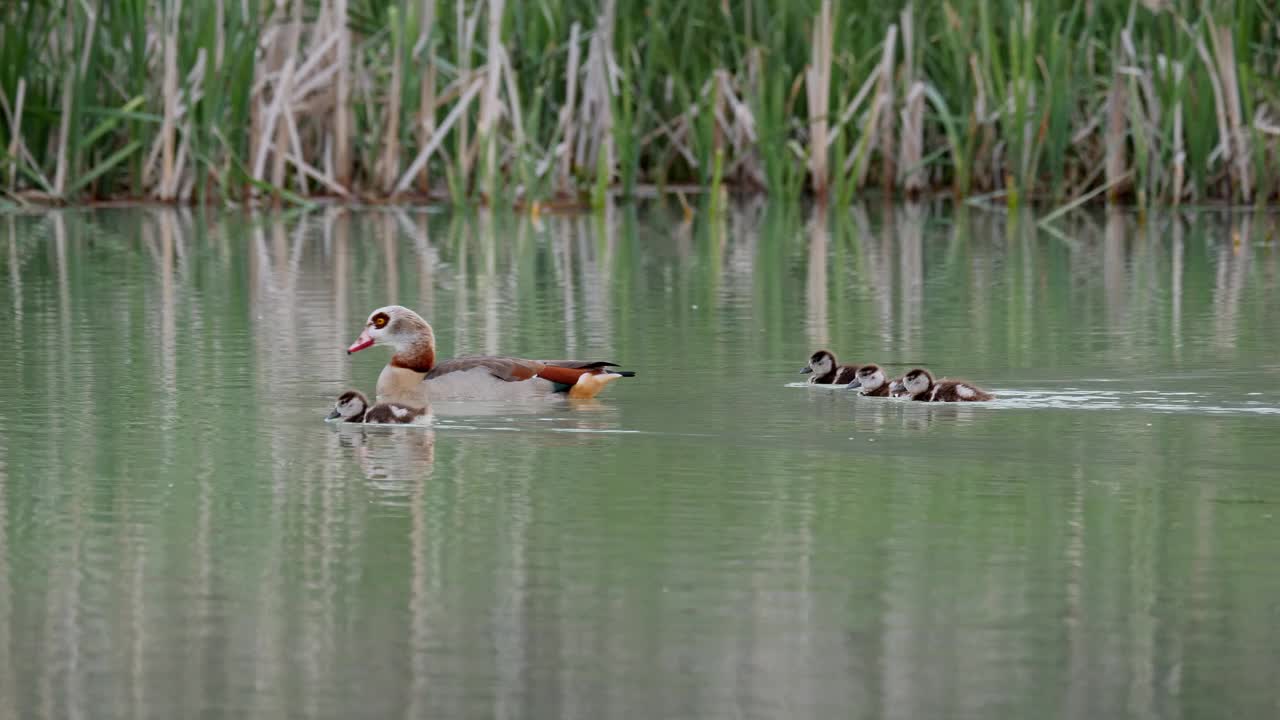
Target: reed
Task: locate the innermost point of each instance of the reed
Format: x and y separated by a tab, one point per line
1150	101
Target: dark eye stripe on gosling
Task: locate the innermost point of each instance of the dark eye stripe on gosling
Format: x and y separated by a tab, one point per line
824	369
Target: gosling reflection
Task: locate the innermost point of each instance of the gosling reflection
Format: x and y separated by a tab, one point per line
392	459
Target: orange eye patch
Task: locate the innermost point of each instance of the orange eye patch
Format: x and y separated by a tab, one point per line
380	320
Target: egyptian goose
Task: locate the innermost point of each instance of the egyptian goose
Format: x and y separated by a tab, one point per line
920	385
413	376
826	371
870	381
353	406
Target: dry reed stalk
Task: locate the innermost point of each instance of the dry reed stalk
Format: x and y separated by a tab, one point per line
596	113
389	165
911	142
567	113
290	127
424	155
877	123
19	151
183	180
284	93
849	111
427	88
1224	50
1262	122
220	33
342	112
1086	197
169	121
64	135
1150	98
305	169
15	130
719	121
740	126
818	93
676	131
911	145
1219	98
1116	160
280	127
1176	69
489	101
263	113
427	121
465	44
886	98
514	109
983	121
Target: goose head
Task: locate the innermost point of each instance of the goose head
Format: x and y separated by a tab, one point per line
350	407
869	378
913	383
398	327
820	363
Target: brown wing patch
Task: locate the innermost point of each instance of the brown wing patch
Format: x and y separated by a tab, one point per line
562	375
580	364
504	368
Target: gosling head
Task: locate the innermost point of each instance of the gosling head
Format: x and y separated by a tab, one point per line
820	363
917	381
869	378
350	407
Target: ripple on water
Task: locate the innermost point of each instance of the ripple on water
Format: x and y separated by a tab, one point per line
1074	398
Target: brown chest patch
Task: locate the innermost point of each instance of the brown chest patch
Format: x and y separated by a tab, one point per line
422	360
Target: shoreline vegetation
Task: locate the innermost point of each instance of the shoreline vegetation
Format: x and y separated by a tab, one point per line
559	103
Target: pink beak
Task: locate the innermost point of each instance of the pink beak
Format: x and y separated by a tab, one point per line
361	342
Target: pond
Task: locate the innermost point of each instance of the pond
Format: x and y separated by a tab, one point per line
181	534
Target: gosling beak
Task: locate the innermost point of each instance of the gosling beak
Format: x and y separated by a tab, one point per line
806	370
362	342
896	387
853	385
333	415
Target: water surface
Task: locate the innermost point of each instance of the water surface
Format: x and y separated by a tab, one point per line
181	535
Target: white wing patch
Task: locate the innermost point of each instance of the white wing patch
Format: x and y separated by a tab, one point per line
965	391
399	411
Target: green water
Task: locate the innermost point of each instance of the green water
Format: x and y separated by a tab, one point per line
182	536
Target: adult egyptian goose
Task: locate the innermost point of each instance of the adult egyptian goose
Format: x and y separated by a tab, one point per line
413	376
920	385
827	371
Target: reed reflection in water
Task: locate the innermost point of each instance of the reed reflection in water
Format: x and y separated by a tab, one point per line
180	533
